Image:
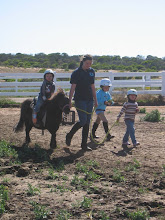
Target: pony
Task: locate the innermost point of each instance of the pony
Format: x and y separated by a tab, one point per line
55	106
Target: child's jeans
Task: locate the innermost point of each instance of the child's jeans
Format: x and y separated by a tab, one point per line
39	103
130	131
86	106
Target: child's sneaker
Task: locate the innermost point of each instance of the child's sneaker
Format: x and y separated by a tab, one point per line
136	144
125	143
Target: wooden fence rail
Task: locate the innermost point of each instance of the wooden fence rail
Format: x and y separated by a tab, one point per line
28	84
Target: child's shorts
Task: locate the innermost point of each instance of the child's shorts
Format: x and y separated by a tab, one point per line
99	111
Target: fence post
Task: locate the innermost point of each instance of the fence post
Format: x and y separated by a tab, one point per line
163	84
112	79
16	88
143	79
147	85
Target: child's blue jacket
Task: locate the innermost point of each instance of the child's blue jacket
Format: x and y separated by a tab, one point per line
101	98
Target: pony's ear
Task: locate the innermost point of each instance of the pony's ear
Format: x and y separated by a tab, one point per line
67	94
60	90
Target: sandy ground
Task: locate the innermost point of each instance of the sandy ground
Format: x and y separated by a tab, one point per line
141	189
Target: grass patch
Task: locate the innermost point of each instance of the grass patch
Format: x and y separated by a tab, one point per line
117	176
31	191
5	102
3	198
63	215
40	211
148	99
6	151
133	166
138	215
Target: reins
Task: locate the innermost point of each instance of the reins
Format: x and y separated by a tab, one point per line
65	107
104	139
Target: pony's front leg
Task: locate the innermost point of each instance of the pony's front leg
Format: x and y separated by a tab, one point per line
53	144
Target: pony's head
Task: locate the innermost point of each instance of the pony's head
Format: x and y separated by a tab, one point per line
60	99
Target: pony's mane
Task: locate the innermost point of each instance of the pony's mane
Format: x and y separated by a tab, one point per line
59	92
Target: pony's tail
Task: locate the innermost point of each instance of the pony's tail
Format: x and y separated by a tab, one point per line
20	125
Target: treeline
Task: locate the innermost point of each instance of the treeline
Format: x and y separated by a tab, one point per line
64	61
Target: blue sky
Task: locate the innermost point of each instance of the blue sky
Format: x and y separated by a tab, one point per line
106	27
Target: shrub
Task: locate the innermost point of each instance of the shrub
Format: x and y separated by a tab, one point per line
154	116
142	110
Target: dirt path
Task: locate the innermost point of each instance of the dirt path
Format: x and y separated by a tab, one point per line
142	187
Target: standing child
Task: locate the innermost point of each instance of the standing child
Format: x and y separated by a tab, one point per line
46	90
130	109
104	99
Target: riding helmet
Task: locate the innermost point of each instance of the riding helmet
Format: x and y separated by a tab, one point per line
132	92
48	71
105	82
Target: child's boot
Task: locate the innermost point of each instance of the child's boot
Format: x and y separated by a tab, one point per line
95	126
34	117
105	125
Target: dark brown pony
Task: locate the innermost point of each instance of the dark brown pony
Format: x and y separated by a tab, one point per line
54	107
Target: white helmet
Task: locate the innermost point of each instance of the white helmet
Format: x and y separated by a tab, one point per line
132	92
48	71
105	82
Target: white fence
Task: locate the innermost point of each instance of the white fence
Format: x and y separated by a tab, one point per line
21	84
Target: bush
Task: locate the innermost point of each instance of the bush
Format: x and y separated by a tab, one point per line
154	116
142	110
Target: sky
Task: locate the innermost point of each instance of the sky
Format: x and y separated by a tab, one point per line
76	27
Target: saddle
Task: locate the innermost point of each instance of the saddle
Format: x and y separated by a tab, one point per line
41	115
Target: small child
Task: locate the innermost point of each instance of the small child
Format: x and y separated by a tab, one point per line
104	99
130	108
46	90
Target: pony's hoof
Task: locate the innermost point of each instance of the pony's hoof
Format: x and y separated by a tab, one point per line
50	151
27	141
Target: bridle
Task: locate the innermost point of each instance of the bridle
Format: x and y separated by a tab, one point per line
64	107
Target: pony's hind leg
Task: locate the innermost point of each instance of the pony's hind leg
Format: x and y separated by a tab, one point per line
28	128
